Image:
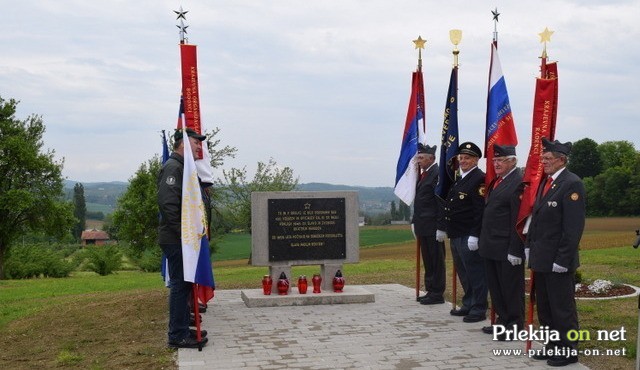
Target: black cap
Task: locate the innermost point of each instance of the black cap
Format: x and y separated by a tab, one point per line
503	150
189	131
470	149
556	146
427	149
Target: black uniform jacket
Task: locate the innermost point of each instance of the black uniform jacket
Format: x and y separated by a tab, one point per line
170	200
425	205
499	236
557	224
464	205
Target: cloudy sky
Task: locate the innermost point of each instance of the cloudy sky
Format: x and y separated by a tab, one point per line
321	87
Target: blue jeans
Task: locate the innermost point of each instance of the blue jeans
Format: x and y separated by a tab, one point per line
470	269
179	294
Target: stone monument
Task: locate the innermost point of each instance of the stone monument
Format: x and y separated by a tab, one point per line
304	228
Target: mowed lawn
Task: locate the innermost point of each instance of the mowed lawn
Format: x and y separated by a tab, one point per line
119	321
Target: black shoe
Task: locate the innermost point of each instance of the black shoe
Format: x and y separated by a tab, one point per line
432	300
419	299
474	318
188	342
558	361
459	312
202	308
192	333
487	329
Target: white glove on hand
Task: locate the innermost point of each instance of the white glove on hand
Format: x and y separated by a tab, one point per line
413	231
473	243
440	235
559	269
514	260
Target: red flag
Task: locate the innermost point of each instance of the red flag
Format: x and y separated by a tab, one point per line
545	109
190	92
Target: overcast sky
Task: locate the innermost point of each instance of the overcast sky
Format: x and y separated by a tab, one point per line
321	87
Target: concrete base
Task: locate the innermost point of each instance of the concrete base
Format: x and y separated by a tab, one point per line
350	294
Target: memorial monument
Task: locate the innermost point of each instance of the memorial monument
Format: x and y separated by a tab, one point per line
306	228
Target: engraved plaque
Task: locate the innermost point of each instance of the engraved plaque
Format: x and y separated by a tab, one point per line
306	229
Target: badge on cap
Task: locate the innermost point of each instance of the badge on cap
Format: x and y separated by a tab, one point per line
171	181
575	196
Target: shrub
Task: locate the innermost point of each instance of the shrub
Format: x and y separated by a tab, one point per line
150	260
103	259
35	260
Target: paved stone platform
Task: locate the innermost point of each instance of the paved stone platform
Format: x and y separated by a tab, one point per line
394	332
350	294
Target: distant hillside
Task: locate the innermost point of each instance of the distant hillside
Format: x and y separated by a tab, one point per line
99	196
376	199
103	196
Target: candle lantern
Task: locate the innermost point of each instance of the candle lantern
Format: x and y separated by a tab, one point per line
267	284
283	284
338	282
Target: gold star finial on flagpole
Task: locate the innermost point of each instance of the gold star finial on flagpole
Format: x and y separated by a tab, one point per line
419	42
545	36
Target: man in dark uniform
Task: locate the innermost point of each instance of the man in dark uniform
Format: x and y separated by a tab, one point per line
463	218
553	237
169	237
425	218
500	244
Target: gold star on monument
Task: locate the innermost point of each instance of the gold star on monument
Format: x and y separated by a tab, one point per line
545	36
419	42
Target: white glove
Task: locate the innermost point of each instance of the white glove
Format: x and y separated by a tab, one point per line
526	256
514	260
413	231
473	243
558	268
440	235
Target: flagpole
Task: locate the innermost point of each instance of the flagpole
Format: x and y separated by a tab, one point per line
181	16
419	44
545	37
455	36
489	156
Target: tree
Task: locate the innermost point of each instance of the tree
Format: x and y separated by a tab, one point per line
394	210
617	153
585	158
404	212
79	210
235	190
31	183
615	191
135	219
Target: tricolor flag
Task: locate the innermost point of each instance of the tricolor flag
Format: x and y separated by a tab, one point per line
449	144
195	244
407	167
545	110
500	126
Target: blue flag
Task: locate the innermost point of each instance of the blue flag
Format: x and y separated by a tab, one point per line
450	141
164	267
